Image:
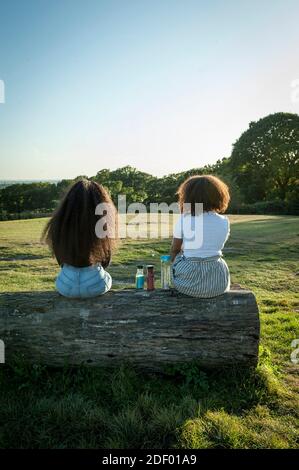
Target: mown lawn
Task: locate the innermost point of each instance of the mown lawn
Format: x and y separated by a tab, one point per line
122	408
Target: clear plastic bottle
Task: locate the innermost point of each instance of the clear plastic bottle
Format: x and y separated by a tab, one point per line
165	272
139	277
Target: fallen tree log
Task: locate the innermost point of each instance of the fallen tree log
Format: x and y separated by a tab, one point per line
147	329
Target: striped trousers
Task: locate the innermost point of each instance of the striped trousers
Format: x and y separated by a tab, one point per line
200	277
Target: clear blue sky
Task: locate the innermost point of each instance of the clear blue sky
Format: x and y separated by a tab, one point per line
163	85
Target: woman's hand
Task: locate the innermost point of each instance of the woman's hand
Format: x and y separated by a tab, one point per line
175	247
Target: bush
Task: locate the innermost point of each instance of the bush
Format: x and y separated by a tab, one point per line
274	207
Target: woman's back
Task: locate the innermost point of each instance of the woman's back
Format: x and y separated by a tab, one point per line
209	230
81	250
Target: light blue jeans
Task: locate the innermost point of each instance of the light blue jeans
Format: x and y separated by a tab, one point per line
83	283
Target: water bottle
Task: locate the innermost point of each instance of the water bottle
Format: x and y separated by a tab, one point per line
165	272
139	277
150	279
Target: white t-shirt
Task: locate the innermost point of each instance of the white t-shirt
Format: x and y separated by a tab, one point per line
203	235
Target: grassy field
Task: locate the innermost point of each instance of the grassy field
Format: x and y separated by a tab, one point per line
94	407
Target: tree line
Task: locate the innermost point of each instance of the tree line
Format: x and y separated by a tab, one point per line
262	172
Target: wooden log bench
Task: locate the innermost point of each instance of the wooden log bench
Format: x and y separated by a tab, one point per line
147	329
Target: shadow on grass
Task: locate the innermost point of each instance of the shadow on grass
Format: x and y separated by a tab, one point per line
23	257
119	407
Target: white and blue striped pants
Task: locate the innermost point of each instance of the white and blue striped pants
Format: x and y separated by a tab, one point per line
200	277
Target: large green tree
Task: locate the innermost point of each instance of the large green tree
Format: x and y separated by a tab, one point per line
127	180
265	159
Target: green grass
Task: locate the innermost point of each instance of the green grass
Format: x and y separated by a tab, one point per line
124	408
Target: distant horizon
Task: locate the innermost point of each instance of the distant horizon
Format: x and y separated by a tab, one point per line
31	179
3	180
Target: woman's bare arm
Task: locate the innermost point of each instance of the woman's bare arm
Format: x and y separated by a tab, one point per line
175	247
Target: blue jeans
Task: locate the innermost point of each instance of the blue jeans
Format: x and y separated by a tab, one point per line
83	282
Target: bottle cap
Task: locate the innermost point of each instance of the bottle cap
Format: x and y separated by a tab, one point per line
165	258
140	266
150	266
